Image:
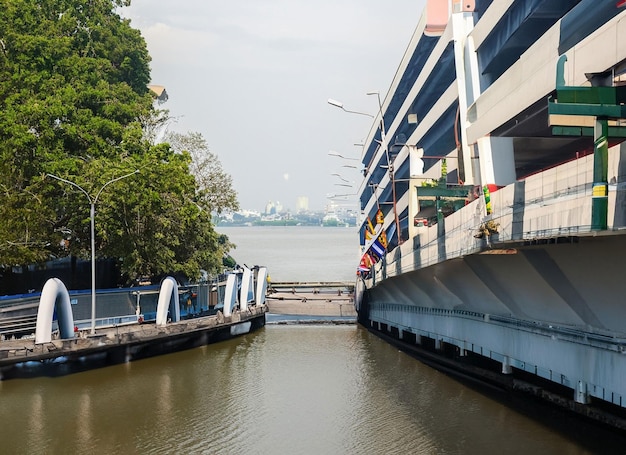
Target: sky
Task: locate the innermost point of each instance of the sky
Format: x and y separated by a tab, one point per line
254	76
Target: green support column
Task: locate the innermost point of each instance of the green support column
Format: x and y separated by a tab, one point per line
604	103
441	228
600	193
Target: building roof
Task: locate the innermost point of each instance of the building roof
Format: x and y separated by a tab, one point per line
159	91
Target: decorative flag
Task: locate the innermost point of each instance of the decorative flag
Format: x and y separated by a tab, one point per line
369	230
380	218
382	238
366	261
378	248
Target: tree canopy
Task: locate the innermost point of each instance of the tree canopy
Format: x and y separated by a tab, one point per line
215	191
75	104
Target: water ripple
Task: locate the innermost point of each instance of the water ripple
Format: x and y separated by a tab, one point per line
280	390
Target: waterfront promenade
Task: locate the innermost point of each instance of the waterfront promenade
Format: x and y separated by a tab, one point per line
24	357
124	342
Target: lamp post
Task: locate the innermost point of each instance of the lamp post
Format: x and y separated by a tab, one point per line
339	155
349	166
92	215
383	143
344	196
339	104
341	177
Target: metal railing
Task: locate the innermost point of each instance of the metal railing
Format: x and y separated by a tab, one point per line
602	339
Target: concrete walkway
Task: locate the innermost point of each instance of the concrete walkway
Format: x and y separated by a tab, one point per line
311	303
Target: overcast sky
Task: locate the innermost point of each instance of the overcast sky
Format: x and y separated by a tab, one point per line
254	76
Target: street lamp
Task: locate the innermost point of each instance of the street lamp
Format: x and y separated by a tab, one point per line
339	104
344	196
341	178
333	153
390	169
350	166
92	215
383	143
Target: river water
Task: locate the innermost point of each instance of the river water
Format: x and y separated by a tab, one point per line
283	389
298	253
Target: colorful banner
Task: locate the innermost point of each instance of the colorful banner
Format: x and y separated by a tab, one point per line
487	199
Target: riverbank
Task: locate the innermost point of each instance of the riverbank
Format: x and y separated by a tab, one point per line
119	344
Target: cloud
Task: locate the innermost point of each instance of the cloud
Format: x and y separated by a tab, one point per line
253	77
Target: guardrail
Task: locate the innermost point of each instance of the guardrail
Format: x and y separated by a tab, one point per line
603	339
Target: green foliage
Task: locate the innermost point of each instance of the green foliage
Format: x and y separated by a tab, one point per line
215	187
74	99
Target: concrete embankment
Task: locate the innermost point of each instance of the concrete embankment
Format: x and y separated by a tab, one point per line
312	299
124	343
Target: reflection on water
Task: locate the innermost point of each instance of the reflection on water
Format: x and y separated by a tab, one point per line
84	430
283	389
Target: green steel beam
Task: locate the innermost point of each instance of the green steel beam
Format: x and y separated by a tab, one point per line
595	110
433	191
603	103
614	131
591	95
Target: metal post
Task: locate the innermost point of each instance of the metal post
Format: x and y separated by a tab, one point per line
441	227
92	216
599	193
383	143
93	265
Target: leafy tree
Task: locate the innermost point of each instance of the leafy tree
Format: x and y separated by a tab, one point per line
73	77
215	187
75	104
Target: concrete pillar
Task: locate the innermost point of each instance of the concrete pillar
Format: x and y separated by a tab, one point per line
415	181
438	344
580	394
497	160
468	84
418	339
506	365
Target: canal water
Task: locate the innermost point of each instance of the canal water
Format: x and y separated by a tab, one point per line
285	389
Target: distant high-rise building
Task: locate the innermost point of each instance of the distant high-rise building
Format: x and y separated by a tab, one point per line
270	208
302	204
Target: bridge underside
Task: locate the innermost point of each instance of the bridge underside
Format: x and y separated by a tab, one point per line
553	309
